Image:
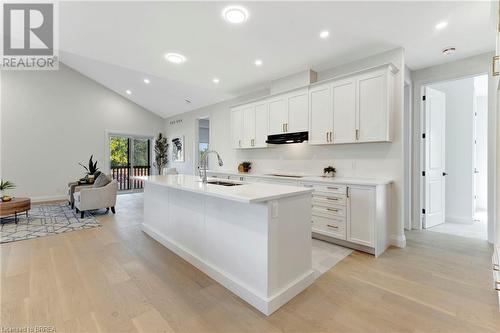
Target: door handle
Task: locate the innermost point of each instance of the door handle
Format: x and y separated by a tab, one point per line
444	174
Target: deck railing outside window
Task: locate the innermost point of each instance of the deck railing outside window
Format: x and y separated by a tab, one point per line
122	175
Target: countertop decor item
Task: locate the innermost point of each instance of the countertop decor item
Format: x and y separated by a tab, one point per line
329	171
244	166
5	185
161	149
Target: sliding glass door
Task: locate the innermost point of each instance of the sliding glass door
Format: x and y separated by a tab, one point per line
130	156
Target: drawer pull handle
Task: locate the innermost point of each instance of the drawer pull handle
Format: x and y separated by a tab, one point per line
308	186
328	198
332	226
332	188
332	209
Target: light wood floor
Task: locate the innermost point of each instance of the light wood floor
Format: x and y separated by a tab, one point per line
117	279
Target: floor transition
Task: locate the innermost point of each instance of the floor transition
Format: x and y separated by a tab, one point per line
116	278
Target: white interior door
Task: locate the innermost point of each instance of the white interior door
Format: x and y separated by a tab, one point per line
434	180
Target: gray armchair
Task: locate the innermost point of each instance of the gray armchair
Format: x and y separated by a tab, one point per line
91	198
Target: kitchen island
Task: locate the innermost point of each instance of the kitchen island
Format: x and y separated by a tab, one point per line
254	239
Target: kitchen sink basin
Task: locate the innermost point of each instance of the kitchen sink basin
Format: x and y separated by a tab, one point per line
218	182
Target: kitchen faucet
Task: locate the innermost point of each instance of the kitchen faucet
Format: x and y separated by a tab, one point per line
204	164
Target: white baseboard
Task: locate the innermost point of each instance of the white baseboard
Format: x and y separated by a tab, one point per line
266	305
49	198
398	240
458	219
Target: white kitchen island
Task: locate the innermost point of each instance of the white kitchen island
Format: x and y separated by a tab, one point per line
254	239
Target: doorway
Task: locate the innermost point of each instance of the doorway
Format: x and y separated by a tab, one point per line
129	156
203	139
454	169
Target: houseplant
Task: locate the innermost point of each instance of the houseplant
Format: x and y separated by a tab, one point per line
90	170
5	185
329	171
244	166
161	149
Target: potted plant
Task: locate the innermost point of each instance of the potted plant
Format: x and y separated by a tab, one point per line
244	166
5	185
90	170
161	149
329	171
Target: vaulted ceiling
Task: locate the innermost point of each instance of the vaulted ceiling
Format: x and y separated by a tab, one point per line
120	43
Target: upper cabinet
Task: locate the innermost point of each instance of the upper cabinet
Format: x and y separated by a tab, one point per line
289	112
353	109
249	125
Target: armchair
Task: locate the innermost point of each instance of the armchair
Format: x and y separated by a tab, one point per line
90	198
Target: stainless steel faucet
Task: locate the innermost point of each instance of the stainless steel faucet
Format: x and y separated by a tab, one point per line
204	164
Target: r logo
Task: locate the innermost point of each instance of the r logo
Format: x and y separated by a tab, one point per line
28	29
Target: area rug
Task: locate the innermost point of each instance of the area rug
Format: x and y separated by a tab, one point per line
45	220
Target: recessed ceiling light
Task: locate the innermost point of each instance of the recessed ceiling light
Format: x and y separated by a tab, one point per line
175	58
324	34
215	80
128	92
449	51
146	81
258	62
235	14
441	25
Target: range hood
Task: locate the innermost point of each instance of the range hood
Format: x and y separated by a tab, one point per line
281	139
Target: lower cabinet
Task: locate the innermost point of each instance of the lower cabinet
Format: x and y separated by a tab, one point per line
351	215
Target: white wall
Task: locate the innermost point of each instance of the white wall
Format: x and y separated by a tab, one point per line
51	120
471	66
459	148
356	160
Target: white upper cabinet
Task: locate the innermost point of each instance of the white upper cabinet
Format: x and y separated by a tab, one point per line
359	108
298	111
344	111
262	126
237	127
321	115
249	125
374	106
289	113
278	114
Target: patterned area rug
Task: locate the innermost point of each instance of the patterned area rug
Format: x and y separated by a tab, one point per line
45	220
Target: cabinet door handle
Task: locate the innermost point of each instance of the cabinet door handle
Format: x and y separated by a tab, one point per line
239	143
494	69
496	267
283	127
332	226
357	134
331	134
347	191
286	127
327	137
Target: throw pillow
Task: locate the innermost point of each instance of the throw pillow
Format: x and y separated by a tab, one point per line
102	180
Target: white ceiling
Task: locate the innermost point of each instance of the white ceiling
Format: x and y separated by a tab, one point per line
120	43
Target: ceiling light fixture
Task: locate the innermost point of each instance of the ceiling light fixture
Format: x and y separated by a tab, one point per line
258	62
146	81
235	14
324	34
215	80
175	58
449	51
441	25
128	92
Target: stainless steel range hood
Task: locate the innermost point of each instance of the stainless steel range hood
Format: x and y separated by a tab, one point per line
286	138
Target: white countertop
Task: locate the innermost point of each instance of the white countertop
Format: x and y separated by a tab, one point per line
247	193
310	178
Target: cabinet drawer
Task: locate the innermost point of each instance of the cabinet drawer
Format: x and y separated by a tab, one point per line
328	199
328	188
329	212
331	227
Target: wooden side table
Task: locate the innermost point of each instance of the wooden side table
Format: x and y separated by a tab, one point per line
15	206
